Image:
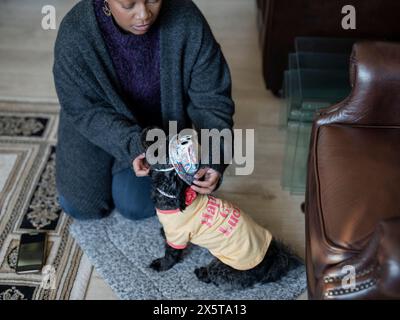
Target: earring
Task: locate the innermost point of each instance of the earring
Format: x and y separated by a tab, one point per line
106	9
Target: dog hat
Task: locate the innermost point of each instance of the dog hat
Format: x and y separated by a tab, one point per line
183	154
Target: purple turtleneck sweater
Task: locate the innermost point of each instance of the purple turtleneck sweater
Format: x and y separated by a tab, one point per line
136	60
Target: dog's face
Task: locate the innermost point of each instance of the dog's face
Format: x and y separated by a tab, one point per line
164	177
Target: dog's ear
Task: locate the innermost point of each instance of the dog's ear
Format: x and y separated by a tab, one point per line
144	142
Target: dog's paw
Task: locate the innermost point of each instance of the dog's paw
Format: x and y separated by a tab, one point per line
160	264
202	274
156	264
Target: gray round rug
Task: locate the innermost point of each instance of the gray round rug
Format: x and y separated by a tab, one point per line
121	251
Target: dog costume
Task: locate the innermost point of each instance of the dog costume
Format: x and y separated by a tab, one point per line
218	225
225	230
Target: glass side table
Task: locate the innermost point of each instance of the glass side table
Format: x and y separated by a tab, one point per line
317	78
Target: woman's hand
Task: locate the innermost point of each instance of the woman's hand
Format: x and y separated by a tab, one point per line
140	166
211	178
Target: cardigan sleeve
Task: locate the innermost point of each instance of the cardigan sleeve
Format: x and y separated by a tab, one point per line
90	114
210	104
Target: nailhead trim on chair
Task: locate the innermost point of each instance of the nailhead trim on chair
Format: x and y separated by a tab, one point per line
338	292
331	279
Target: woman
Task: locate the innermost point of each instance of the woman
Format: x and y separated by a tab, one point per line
122	65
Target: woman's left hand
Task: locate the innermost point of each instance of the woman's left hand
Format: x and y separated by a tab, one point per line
211	178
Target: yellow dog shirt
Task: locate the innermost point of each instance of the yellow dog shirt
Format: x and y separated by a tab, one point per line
226	231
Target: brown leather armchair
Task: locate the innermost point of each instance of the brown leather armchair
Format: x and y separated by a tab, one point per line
353	186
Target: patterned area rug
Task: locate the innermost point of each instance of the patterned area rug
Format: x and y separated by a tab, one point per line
28	202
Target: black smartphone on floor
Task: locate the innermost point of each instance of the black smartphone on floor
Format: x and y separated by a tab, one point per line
31	252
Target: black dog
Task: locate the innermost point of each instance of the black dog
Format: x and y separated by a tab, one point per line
276	263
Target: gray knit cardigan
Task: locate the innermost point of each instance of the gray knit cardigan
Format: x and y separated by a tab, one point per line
98	134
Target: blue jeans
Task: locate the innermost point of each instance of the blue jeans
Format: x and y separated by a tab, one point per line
131	197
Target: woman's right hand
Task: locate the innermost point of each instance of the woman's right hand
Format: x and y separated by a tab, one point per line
140	166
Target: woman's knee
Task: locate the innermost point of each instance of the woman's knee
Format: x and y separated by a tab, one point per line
136	213
70	210
132	195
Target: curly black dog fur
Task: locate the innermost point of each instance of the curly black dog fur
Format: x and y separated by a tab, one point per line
277	262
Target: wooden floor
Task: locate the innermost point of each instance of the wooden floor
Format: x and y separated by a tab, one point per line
25	64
